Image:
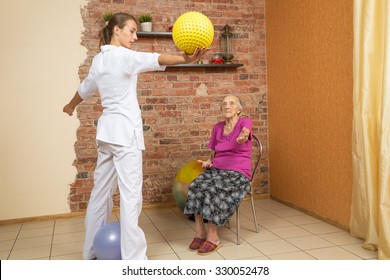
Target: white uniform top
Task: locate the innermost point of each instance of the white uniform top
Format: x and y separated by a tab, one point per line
114	74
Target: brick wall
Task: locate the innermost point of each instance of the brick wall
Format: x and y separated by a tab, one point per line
181	105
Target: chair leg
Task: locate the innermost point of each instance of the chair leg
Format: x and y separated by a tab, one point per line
238	226
254	218
254	214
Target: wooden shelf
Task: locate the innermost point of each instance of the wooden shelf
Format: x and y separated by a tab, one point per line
169	35
154	34
233	65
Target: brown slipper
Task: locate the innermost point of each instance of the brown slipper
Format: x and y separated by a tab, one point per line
209	247
196	244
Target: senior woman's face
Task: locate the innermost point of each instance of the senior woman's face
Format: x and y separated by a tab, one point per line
229	107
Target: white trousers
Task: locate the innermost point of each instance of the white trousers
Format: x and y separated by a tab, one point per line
122	166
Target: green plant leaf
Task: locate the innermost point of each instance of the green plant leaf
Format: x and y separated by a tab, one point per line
145	18
107	16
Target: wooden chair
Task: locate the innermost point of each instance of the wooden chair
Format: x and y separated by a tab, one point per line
256	144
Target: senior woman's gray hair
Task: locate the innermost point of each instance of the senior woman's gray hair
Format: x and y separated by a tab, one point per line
238	102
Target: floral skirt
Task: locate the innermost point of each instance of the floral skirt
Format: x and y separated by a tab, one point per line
216	194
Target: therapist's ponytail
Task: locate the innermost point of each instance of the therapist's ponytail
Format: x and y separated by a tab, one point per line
118	19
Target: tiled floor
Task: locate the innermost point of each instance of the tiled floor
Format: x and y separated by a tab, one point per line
285	234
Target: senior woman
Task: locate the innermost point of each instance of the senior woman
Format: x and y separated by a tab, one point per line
216	193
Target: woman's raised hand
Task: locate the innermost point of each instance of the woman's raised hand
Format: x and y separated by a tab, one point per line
244	135
198	54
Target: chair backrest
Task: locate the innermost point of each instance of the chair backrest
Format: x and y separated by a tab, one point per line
256	144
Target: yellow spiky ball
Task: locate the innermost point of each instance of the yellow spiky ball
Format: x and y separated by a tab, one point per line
192	30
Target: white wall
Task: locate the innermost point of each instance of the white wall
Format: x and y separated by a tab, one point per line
40	53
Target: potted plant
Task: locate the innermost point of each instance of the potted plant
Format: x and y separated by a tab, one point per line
146	22
107	16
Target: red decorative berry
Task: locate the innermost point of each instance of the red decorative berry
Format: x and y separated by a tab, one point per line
217	61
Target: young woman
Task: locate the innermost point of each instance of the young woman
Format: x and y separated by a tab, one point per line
113	74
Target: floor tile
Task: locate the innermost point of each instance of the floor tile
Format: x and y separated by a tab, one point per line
68	228
245	223
28	233
179	213
8	235
274	247
190	223
332	253
256	258
159	212
171	225
143	219
164	257
244	218
227	230
35	225
274	223
67	248
302	219
24	243
239	252
320	228
194	256
309	242
358	250
12	228
153	237
76	220
292	256
68	237
180	245
340	238
30	253
254	237
287	212
73	256
4	255
171	235
148	227
264	214
230	239
171	217
269	204
6	246
291	231
159	248
113	218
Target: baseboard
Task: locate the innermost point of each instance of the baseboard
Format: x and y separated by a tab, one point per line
43	218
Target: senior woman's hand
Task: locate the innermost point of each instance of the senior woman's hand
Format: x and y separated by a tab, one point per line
244	135
206	164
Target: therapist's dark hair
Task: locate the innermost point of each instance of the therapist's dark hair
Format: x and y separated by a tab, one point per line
117	19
